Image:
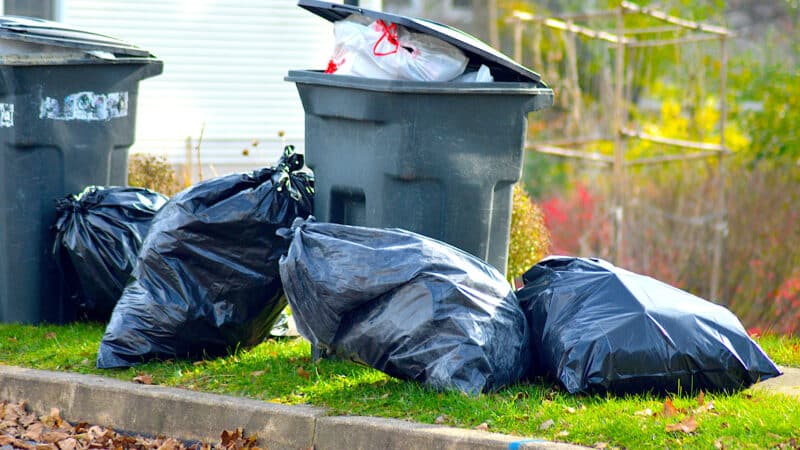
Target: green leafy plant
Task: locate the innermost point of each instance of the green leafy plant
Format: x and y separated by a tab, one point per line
530	239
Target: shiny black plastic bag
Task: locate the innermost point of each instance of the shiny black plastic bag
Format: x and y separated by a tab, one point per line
598	328
98	235
207	277
410	306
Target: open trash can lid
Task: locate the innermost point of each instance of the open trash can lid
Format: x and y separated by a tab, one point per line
45	32
478	52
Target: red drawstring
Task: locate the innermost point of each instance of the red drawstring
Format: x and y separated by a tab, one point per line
390	34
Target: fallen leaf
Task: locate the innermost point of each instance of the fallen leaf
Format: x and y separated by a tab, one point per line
303	373
601	445
687	425
547	424
54	436
719	445
228	438
169	444
50	335
441	419
669	408
257	373
12	339
67	444
569	410
564	433
701	398
85	362
6	440
34	432
644	413
708	407
521	395
143	378
724	425
483	427
199	363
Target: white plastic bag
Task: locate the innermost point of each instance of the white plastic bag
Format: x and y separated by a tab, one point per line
482	75
391	52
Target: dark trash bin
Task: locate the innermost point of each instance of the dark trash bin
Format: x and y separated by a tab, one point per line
436	158
67	119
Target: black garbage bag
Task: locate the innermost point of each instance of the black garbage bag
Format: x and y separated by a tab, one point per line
98	235
598	328
207	277
410	306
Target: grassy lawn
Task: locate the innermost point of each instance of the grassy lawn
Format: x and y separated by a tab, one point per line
282	371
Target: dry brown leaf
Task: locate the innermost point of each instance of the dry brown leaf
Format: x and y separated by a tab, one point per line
199	363
53	437
601	445
724	425
12	339
644	413
708	407
441	419
26	420
547	424
143	378
169	444
669	408
23	445
687	425
68	444
50	335
34	432
303	373
719	445
46	447
569	410
521	395
6	440
229	438
701	398
483	427
258	373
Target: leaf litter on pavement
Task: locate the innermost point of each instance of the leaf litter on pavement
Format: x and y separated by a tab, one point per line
20	429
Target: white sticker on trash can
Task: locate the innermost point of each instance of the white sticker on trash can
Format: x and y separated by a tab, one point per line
6	115
86	106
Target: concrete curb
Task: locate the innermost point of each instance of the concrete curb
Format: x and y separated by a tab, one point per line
158	410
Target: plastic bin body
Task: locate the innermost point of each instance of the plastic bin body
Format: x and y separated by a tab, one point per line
439	159
46	154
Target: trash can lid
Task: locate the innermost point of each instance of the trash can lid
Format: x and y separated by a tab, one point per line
477	51
39	31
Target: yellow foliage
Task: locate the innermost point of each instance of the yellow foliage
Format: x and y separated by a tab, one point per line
154	173
530	239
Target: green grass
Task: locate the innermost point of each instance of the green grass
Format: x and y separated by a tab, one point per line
282	371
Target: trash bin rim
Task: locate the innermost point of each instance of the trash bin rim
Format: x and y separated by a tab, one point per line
46	32
415	87
12	60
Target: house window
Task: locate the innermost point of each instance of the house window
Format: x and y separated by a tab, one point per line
43	9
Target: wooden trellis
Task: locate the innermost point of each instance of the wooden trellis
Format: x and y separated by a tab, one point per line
620	39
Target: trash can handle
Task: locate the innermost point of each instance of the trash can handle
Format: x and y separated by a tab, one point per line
350	8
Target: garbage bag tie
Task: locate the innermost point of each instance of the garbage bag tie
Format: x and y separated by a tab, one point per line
390	34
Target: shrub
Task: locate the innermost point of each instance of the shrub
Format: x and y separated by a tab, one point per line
530	239
154	173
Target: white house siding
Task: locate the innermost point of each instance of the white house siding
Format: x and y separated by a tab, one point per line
224	63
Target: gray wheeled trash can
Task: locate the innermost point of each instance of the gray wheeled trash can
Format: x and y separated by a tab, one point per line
67	119
439	159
